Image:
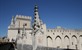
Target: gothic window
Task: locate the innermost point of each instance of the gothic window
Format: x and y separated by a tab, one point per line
80	41
18	31
74	40
58	41
67	41
49	41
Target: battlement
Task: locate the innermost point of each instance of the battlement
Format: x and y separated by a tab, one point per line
23	17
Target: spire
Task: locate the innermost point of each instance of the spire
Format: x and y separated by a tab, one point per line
36	8
36	27
12	21
36	24
36	15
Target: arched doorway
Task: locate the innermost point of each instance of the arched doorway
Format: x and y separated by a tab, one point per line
80	41
67	42
58	41
49	41
74	42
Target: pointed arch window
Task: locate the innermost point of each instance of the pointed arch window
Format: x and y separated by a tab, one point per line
18	31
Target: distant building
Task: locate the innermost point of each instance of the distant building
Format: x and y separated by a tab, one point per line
21	27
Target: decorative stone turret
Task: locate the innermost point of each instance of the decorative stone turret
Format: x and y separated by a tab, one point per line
37	24
37	27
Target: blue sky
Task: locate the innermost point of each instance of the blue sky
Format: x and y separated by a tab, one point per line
65	13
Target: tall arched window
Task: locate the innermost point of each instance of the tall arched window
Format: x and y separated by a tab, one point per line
74	42
80	41
67	42
58	41
49	41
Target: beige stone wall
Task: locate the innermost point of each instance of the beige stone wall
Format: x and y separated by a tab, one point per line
17	24
64	38
57	37
21	20
12	34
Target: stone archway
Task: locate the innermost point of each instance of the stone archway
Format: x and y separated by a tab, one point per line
67	42
49	41
80	41
74	42
58	41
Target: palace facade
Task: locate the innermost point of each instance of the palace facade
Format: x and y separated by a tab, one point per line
21	29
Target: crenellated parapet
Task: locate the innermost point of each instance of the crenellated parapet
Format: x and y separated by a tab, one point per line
19	20
23	17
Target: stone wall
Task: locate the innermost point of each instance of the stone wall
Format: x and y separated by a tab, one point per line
29	47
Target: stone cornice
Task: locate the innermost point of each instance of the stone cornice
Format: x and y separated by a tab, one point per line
24	19
19	28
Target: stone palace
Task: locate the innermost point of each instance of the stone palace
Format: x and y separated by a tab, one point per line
21	28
